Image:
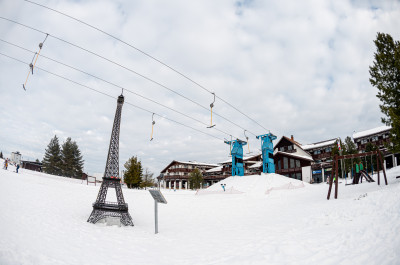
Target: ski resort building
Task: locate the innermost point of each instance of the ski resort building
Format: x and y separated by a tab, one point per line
35	166
15	157
176	174
321	154
377	137
291	160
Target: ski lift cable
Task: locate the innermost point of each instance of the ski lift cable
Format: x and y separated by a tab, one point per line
126	68
113	84
146	54
105	94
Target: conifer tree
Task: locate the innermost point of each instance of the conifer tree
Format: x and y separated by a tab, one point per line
385	76
133	173
196	179
72	162
52	163
1	154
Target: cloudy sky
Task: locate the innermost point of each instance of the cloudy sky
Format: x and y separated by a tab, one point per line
295	67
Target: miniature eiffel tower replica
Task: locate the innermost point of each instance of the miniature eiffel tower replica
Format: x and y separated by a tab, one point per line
119	209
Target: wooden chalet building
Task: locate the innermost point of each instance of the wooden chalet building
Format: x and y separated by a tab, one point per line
321	153
378	137
291	160
176	174
35	166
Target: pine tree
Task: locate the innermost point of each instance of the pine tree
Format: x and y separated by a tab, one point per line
52	162
196	179
78	160
67	158
385	76
72	162
1	154
133	173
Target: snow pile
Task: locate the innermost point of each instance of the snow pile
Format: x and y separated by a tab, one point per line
288	186
253	184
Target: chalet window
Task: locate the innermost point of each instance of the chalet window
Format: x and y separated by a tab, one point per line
317	152
364	141
291	163
279	164
290	147
328	150
298	163
374	138
298	175
285	163
385	136
282	148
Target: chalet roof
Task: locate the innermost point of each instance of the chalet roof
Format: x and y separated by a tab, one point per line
289	139
256	165
319	144
309	158
189	163
215	169
371	131
244	159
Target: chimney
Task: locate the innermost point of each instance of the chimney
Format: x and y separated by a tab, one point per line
291	137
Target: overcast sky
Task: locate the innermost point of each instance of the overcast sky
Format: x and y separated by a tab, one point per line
296	67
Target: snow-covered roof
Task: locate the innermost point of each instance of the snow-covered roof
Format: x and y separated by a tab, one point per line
244	159
319	144
215	169
196	163
295	155
256	165
189	163
371	131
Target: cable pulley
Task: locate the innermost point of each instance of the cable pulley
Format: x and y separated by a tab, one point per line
211	107
31	66
152	127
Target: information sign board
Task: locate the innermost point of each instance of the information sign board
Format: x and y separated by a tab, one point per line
157	196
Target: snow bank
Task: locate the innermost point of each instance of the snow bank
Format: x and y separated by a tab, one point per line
253	184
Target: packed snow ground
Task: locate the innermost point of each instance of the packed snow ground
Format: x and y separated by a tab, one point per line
43	221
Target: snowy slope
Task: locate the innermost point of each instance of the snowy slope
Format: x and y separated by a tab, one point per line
43	221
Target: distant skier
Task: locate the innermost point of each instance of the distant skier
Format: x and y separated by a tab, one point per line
17	167
5	164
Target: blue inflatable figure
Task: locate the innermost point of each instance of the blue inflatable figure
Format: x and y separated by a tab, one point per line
267	148
237	156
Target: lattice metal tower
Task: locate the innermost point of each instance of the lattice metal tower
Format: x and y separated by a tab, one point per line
102	208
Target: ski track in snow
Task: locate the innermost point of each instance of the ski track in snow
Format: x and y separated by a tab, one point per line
43	221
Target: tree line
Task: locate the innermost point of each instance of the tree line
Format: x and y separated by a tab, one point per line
65	160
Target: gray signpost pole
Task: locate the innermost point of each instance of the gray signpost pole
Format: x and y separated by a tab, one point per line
158	198
156	215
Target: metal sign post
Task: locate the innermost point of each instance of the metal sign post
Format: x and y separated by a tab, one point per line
158	198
